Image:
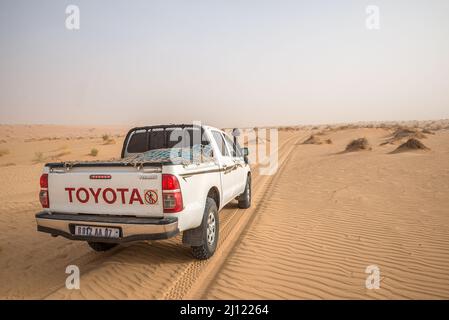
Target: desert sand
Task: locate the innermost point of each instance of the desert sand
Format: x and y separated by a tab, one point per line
314	226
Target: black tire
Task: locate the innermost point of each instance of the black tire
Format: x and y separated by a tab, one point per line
207	249
245	197
101	246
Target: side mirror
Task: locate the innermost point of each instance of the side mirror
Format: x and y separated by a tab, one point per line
245	152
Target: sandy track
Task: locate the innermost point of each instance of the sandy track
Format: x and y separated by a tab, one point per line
161	269
196	277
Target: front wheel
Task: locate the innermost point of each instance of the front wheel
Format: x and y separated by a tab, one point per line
210	228
245	197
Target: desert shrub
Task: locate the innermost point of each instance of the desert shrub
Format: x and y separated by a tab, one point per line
358	145
107	139
427	131
407	133
93	152
411	144
312	140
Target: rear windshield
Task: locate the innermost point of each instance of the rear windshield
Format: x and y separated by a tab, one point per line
138	142
160	138
157	139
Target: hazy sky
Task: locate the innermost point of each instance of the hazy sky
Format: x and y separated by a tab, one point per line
226	63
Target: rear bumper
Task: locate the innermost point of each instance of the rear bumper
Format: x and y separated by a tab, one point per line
132	228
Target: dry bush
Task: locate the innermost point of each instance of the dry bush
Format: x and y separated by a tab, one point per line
401	133
427	131
410	145
312	140
107	139
93	152
360	144
4	152
344	127
407	133
48	139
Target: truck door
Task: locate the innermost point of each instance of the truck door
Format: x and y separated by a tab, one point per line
226	163
239	172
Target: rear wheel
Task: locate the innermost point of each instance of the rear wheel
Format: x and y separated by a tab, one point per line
101	246
245	197
210	230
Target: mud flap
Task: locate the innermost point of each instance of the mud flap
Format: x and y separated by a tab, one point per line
194	237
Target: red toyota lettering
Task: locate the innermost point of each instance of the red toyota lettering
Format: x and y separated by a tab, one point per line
70	190
95	194
122	193
86	195
105	198
135	196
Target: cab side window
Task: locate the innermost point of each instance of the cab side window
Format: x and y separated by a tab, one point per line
220	143
235	148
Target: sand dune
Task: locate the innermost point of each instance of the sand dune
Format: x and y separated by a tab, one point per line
314	227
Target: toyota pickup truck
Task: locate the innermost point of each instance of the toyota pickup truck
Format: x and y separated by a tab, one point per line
169	179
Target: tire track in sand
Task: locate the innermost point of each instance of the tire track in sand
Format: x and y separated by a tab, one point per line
194	279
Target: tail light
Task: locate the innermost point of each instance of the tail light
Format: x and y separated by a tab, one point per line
44	181
171	194
43	198
43	194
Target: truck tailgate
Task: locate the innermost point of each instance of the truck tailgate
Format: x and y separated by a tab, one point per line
106	190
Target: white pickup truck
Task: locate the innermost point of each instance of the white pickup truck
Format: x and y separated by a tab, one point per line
169	179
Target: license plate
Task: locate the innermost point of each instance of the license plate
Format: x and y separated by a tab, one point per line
97	232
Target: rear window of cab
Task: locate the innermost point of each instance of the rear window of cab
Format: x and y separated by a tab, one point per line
158	138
